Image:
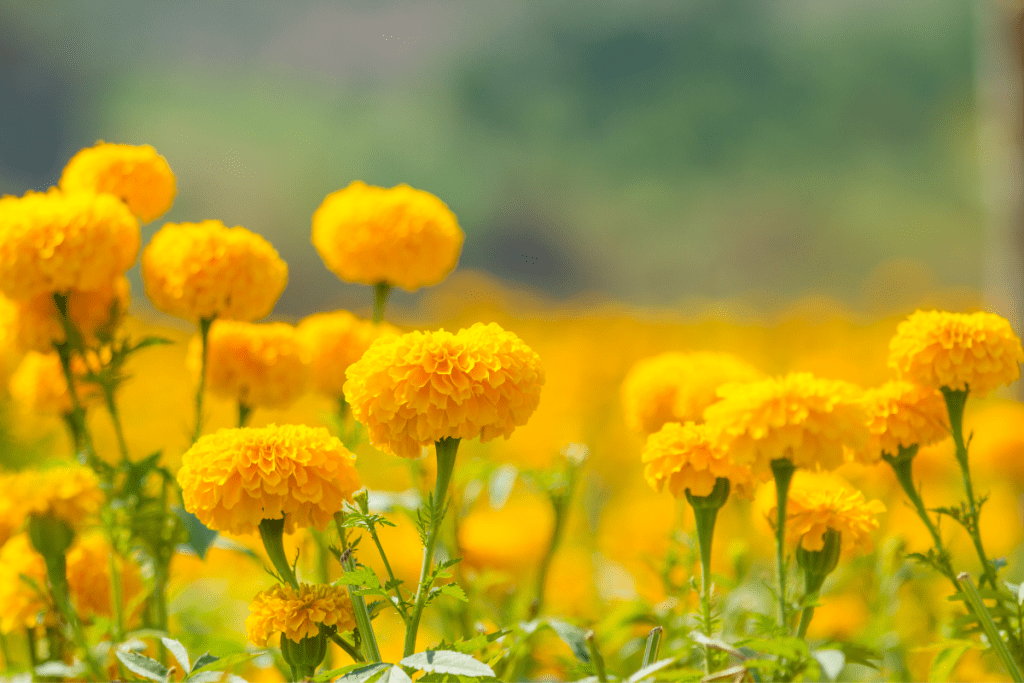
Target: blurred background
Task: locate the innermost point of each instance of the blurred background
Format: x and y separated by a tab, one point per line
655	153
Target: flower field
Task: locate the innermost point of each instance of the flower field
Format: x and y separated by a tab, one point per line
504	489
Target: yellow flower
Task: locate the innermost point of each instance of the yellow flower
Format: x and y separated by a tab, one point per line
88	572
39	386
207	270
402	236
21	605
800	417
235	478
677	387
415	389
70	493
903	414
936	349
685	457
512	539
12	515
260	365
335	341
136	175
55	241
37	325
296	615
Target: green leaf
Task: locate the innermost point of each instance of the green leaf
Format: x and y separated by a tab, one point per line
205	659
574	637
210	676
946	660
60	669
361	576
650	669
859	654
476	643
786	647
200	537
366	674
454	590
143	666
832	662
227	661
447	662
324	676
179	652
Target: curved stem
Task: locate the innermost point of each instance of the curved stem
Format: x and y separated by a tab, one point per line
64	351
204	334
381	292
782	469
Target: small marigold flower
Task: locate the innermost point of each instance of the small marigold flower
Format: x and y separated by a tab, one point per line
903	414
685	456
799	417
958	351
206	270
88	572
37	325
401	236
235	478
513	538
39	386
70	493
418	388
297	615
677	387
137	175
58	241
260	365
334	341
21	605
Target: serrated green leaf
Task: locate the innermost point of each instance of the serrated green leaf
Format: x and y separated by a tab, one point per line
447	662
179	652
361	576
454	590
143	666
573	636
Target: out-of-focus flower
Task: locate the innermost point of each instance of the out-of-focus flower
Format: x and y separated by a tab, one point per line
58	241
206	270
511	539
88	572
401	236
901	413
677	387
839	617
38	384
235	478
937	349
685	457
412	390
37	325
11	513
135	174
334	341
70	493
21	605
297	614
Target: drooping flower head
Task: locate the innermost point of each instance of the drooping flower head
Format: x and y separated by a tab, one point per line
685	456
206	270
677	387
235	478
136	175
58	241
39	386
414	389
37	325
799	417
903	414
958	351
401	236
297	614
334	341
261	365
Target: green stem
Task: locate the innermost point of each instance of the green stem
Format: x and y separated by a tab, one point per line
561	501
653	646
994	638
115	597
595	657
64	351
77	445
381	291
370	650
56	570
782	469
347	647
204	334
30	641
272	533
115	417
362	501
705	512
244	412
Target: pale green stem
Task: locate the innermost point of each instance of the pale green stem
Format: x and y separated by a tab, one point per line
381	291
204	334
782	469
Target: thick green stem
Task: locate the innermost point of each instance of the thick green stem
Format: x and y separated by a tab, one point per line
817	565
370	650
653	646
204	334
705	512
244	412
116	598
381	291
272	533
782	469
595	657
995	639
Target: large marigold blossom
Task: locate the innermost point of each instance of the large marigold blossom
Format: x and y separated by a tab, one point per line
334	341
415	389
58	241
37	325
677	387
903	414
805	419
958	351
235	478
401	236
298	614
685	456
21	605
135	174
207	270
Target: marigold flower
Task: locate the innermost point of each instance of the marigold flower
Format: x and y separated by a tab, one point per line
88	572
685	456
21	605
235	478
937	349
412	390
401	236
297	615
136	175
206	270
260	365
513	538
58	241
677	387
334	341
38	384
37	325
12	515
70	493
903	414
800	417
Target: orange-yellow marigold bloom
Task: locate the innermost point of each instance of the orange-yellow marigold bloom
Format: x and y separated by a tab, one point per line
21	605
135	174
88	572
956	350
70	493
58	241
685	456
260	365
677	387
38	384
207	270
235	478
296	615
402	236
414	389
800	417
334	341
903	414
37	325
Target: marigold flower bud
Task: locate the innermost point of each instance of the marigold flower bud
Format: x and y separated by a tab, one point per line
136	175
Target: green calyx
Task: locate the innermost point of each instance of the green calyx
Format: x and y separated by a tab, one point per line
712	501
50	536
305	655
818	564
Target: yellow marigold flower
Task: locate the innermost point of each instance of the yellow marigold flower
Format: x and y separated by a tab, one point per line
685	456
207	270
677	387
334	341
21	605
37	325
512	539
412	390
402	236
297	615
39	386
58	241
235	478
260	365
136	175
936	349
12	514
800	417
70	493
903	414
88	572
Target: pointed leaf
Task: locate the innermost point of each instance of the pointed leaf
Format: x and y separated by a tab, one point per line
365	674
574	637
210	676
60	669
946	660
143	666
204	660
650	669
447	662
832	662
200	537
179	652
454	590
226	661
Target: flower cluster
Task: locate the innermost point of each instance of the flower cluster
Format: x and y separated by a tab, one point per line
298	614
